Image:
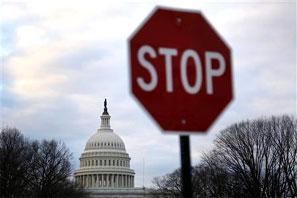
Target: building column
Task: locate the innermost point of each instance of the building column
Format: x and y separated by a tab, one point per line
98	180
109	180
112	180
93	181
97	183
116	182
87	181
125	183
90	181
105	179
126	179
108	183
101	180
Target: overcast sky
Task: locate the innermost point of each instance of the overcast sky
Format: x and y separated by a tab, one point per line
60	59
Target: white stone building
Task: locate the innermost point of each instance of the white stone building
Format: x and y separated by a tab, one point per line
105	165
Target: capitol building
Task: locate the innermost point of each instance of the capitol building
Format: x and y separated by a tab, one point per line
105	165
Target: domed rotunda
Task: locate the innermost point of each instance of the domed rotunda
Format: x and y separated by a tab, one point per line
104	163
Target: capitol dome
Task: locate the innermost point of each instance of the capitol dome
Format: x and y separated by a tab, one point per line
104	163
105	140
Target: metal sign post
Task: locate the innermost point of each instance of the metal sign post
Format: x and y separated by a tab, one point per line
186	178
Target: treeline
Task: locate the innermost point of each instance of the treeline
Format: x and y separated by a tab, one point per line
31	168
250	159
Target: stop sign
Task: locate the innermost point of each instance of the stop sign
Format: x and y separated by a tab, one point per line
180	70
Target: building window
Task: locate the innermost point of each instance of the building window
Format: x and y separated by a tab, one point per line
109	162
121	163
117	162
96	162
92	162
113	162
100	162
104	162
88	162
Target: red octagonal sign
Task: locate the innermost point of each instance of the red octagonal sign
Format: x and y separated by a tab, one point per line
180	70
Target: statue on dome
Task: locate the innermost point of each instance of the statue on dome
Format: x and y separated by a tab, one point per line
105	107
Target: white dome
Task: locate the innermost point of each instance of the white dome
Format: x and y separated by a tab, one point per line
105	164
105	139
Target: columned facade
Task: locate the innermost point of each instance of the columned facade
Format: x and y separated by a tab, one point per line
104	163
105	181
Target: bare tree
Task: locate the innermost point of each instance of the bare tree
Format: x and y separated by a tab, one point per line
13	167
50	168
168	185
250	159
33	168
262	155
284	133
